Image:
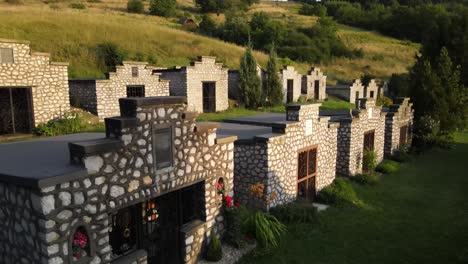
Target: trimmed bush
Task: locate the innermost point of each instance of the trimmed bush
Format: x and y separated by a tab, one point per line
369	161
214	252
135	6
340	193
366	179
296	212
265	228
388	167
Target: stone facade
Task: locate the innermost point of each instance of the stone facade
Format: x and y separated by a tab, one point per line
349	93
288	74
118	172
101	96
272	159
368	117
399	119
188	81
371	90
47	80
314	78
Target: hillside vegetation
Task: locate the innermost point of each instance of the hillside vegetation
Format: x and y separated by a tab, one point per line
72	35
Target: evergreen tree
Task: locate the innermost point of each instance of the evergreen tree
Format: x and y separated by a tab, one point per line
250	85
274	89
165	8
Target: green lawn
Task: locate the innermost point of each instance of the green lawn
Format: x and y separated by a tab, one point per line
419	215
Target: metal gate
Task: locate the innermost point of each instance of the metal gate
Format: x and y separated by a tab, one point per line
15	110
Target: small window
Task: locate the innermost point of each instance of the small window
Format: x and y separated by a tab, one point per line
6	55
134	71
371	94
136	91
162	140
123	231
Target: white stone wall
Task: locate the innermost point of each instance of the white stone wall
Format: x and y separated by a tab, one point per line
399	114
48	80
110	90
371	87
308	84
351	137
289	73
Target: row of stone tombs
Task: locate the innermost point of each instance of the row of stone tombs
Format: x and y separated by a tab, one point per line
152	190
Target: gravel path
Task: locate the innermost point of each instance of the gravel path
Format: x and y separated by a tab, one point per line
230	254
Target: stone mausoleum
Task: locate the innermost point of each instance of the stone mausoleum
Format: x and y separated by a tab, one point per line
33	90
292	156
292	82
398	125
145	192
101	96
360	129
204	83
314	84
371	90
348	93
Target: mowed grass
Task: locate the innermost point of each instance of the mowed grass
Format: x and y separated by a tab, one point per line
418	215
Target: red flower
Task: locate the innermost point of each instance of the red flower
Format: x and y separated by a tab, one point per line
228	201
237	204
77	255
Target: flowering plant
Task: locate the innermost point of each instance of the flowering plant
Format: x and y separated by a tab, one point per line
220	187
80	245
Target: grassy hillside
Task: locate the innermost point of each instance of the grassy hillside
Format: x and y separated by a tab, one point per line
72	35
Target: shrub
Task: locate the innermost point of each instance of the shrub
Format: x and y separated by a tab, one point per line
234	219
109	55
366	179
77	6
340	193
296	212
388	167
165	8
369	161
214	252
302	99
265	228
384	101
71	123
135	6
402	155
313	10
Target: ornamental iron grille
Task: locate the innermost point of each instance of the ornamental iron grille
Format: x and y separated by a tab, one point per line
123	229
15	110
136	91
306	173
369	140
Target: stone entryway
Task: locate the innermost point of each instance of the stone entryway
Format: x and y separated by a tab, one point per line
307	173
209	97
15	110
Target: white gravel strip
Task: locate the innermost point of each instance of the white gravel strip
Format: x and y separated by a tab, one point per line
230	254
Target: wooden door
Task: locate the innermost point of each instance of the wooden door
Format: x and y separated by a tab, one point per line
290	91
307	173
316	89
403	134
369	140
209	97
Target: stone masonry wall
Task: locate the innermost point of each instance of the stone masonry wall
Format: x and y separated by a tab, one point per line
351	137
400	114
308	84
110	90
124	177
272	159
289	73
83	95
48	80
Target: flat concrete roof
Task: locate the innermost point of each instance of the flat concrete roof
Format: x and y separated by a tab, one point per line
41	162
269	119
242	131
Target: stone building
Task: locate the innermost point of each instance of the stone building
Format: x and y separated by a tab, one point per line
398	125
359	130
292	82
314	84
145	193
292	156
101	96
371	90
348	93
233	81
33	89
204	83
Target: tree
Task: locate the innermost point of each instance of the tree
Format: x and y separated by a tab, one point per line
250	85
135	6
109	55
274	89
208	27
398	85
165	8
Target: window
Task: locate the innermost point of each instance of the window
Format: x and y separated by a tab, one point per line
307	171
134	71
369	140
123	231
162	145
6	55
136	91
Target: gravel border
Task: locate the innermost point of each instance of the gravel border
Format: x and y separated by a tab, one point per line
230	254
